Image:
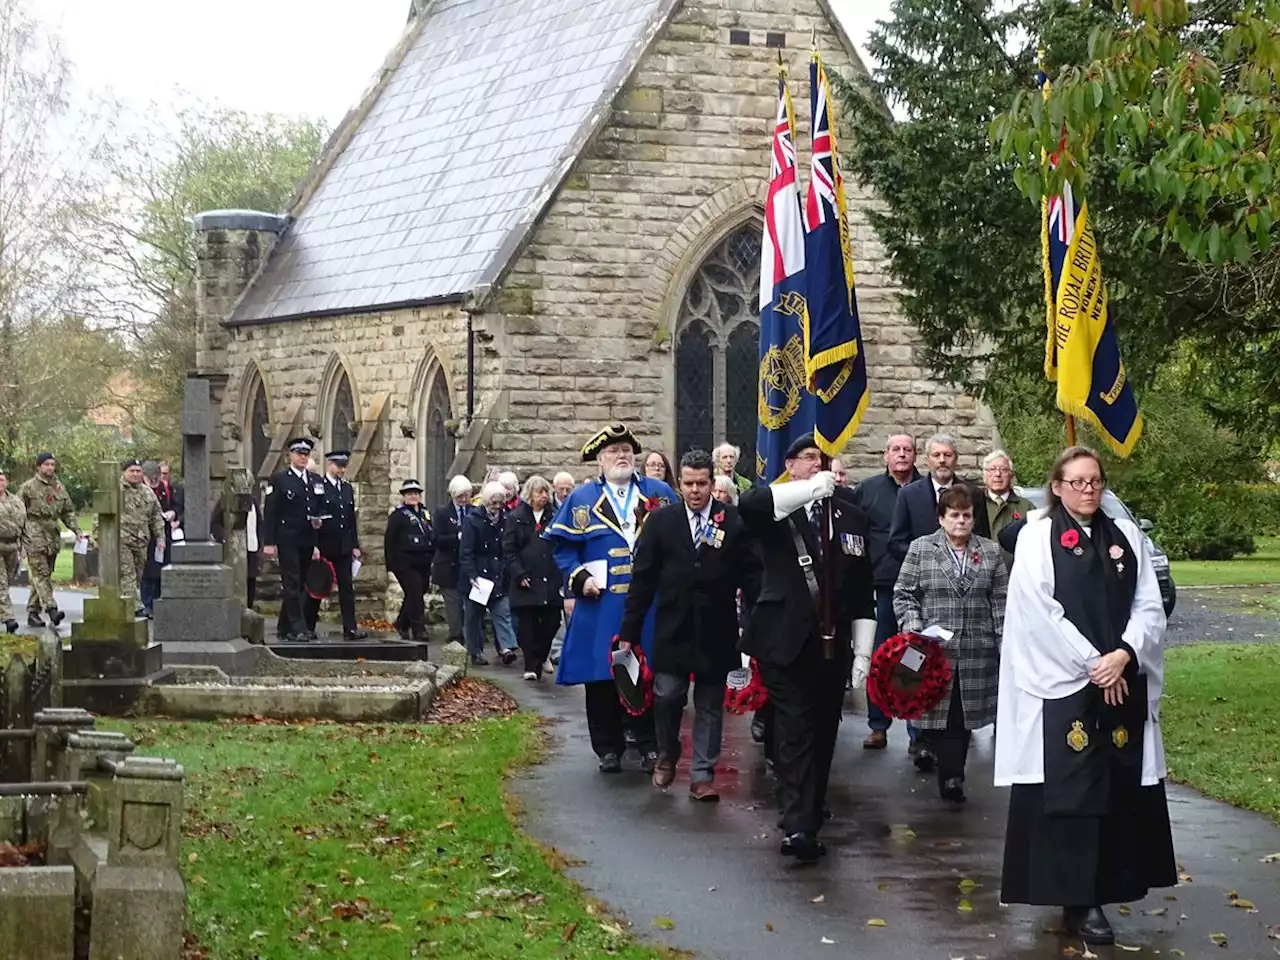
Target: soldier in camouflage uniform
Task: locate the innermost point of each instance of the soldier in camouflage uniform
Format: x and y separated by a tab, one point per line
141	520
47	502
13	520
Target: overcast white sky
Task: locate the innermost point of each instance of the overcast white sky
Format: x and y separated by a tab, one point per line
282	56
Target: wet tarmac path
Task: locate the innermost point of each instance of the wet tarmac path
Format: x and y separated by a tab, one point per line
897	855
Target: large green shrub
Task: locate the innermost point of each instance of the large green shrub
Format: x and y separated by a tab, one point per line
79	448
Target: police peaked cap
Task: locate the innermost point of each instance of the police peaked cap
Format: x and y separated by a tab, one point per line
341	457
800	445
301	445
614	433
411	486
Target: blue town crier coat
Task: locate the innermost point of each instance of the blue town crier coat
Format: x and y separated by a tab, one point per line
586	530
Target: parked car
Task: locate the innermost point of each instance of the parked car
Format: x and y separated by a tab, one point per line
1114	508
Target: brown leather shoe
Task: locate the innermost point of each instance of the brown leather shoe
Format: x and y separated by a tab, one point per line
664	771
704	791
878	740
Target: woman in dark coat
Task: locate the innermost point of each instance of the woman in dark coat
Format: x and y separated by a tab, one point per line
408	547
533	575
480	558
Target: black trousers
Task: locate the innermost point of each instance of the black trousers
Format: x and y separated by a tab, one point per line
346	594
607	721
807	698
535	629
294	561
413	581
951	745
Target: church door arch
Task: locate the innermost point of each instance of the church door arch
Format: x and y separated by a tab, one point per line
717	348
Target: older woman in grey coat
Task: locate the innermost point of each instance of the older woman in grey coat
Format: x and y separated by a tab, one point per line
955	580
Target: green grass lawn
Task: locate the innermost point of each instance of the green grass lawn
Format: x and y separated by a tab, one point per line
62	569
1220	721
369	842
1261	568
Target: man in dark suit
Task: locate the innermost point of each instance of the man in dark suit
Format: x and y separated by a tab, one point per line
695	556
339	542
916	513
290	518
805	672
446	532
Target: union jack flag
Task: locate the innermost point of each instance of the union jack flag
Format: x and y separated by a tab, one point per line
783	247
835	361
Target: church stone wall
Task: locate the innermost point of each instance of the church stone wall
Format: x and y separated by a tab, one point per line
588	307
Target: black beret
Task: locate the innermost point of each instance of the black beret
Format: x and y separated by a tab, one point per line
799	445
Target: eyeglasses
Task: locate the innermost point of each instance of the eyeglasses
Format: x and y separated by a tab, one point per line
810	455
1081	485
1000	470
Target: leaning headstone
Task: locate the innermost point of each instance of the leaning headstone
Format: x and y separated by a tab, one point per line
197	618
110	660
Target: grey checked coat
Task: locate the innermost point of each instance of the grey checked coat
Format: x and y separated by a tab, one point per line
929	591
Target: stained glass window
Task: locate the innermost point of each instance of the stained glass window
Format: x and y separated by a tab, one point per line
440	444
717	349
341	431
259	428
695	366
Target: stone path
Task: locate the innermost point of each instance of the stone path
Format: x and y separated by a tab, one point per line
1221	614
897	855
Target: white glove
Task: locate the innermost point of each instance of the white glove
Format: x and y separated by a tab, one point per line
864	641
790	497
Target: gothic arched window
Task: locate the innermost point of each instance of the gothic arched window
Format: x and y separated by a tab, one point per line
438	441
717	346
341	430
259	429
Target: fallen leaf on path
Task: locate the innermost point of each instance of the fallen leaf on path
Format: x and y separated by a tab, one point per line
1070	951
1219	938
1270	858
876	922
1233	895
1273	931
820	898
968	886
1178	953
1243	904
1124	910
1129	949
768	928
569	931
1089	954
882	886
827	940
664	923
965	906
1157	912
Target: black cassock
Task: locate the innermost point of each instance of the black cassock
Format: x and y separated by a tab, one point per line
1091	834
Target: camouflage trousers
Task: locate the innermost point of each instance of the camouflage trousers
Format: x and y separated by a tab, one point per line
8	561
133	561
41	559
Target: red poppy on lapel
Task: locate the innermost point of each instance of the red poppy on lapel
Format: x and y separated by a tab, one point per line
1017	515
717	518
977	558
1069	539
651	504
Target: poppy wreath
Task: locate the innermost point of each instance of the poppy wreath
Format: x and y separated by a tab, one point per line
317	585
745	697
902	693
646	678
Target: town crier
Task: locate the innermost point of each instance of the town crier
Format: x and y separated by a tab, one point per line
595	534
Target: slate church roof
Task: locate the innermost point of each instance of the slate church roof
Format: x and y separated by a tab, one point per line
454	155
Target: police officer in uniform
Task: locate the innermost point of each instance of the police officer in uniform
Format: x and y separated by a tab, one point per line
804	672
339	542
290	519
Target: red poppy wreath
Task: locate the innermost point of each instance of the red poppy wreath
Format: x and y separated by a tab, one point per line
900	691
635	696
744	692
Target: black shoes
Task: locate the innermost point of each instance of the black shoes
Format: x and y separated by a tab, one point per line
805	847
479	662
140	613
508	657
757	729
952	789
611	763
353	635
11	625
1090	924
650	761
56	616
924	759
35	620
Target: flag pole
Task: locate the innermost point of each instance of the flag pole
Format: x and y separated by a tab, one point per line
826	572
1071	430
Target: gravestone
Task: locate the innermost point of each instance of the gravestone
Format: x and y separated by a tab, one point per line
110	660
197	618
237	500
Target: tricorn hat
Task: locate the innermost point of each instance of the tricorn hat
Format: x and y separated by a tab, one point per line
613	433
301	445
411	486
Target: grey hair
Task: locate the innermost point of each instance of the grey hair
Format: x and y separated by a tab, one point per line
943	439
995	455
490	490
721	482
532	486
508	479
565	475
151	469
727	448
459	485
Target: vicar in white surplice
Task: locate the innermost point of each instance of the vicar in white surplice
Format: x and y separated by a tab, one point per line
1077	731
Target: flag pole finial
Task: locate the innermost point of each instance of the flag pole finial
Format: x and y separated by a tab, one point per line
813	38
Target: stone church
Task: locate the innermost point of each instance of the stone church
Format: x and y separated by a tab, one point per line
543	215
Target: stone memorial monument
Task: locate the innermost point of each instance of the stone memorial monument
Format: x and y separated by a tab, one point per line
198	615
110	660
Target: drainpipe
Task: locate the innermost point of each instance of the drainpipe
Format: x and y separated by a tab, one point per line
471	369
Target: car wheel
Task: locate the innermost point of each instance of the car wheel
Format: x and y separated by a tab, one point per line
1171	600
